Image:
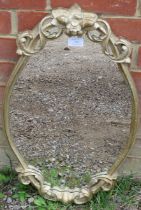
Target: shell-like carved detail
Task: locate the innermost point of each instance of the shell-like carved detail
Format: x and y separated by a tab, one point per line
65	194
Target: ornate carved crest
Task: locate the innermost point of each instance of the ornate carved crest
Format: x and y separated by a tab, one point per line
74	19
74	22
71	21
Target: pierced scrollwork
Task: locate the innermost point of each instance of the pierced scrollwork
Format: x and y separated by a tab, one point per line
23	42
65	194
49	28
74	22
124	50
102	33
31	42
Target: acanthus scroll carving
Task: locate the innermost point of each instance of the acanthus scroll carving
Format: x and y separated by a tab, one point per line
65	194
102	33
74	19
74	22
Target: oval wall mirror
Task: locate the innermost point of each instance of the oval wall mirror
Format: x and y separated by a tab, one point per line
70	113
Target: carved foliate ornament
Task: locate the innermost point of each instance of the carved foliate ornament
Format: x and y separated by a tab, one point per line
71	21
74	19
74	22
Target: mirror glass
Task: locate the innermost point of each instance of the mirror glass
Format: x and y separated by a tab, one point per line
70	112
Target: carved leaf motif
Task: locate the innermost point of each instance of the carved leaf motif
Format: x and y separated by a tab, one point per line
73	21
66	195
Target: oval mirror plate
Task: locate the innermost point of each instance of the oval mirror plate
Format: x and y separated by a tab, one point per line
75	23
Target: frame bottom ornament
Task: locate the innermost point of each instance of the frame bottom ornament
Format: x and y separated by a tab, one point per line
65	194
72	22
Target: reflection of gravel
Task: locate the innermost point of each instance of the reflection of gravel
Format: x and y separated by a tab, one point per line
71	107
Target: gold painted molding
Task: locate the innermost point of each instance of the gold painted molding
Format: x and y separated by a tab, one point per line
73	22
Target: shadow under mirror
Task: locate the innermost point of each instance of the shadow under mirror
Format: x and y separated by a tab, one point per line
70	112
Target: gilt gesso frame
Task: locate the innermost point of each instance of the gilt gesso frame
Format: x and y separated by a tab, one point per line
73	22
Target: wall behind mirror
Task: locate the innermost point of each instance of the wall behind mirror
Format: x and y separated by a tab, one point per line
70	112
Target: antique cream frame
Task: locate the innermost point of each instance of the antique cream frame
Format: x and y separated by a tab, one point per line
73	22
